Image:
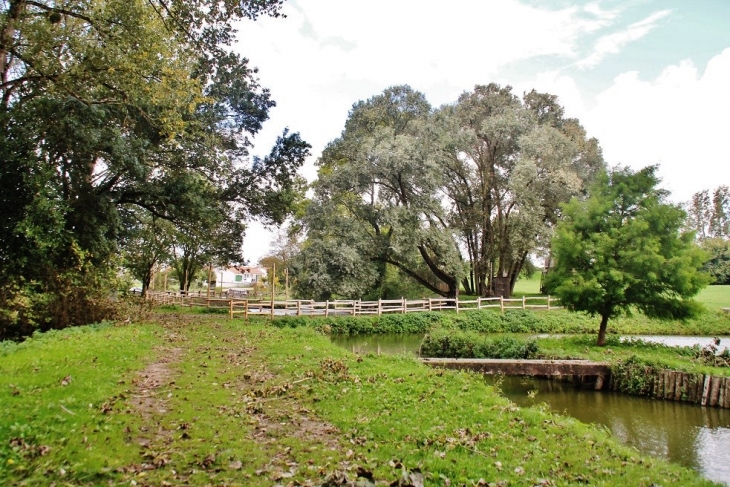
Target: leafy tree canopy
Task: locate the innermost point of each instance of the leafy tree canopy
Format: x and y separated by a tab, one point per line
452	197
623	248
109	108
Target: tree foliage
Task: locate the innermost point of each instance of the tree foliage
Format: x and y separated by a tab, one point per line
111	107
452	198
509	165
718	265
708	215
623	248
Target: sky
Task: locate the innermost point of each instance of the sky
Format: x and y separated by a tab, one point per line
649	79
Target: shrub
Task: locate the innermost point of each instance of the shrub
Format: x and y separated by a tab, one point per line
444	343
361	325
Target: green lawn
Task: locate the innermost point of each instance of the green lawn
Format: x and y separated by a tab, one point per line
235	403
528	286
713	297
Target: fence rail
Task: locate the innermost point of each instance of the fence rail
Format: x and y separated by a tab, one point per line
304	307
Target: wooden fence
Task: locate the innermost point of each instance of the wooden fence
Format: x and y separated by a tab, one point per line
301	307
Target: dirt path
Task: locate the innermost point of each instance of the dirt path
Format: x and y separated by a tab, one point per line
147	398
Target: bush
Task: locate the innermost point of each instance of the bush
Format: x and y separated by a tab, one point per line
363	325
483	321
443	343
62	300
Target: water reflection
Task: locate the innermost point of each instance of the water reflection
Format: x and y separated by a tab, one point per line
690	435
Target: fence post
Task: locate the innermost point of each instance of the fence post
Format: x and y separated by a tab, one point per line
501	304
230	308
456	305
245	310
299	307
523	303
404	305
429	305
548	303
327	308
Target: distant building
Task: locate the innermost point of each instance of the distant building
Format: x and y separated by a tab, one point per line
238	276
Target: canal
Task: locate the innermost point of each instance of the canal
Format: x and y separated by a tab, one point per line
689	435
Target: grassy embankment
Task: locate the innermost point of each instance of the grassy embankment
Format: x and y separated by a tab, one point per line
220	402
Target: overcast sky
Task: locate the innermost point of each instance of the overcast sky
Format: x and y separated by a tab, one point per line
649	79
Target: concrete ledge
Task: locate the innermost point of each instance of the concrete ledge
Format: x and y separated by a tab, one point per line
522	367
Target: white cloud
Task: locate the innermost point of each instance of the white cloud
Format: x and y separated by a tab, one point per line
678	120
329	54
613	43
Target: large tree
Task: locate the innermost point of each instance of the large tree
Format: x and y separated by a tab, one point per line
147	244
377	199
453	197
508	165
106	105
623	248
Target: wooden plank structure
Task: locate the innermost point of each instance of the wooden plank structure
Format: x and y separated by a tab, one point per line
669	385
523	367
238	304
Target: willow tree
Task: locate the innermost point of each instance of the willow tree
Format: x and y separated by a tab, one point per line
623	248
508	165
383	174
452	197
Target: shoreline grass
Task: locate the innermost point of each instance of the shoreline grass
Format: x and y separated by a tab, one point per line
250	404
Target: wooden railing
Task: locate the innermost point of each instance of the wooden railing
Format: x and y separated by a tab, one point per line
303	307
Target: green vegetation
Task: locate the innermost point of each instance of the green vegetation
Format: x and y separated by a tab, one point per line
126	126
686	359
623	249
223	402
460	344
528	286
385	184
715	297
512	321
445	343
57	390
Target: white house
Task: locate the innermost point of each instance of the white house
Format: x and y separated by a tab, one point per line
238	276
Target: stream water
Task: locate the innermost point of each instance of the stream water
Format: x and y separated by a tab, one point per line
690	435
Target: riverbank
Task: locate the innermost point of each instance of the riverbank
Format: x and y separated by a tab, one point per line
711	323
199	400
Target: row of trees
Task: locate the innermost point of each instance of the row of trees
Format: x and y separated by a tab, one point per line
708	215
117	119
453	198
457	198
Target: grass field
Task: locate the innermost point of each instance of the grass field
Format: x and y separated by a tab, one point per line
713	297
528	286
198	400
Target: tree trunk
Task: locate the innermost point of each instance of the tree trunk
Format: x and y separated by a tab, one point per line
146	279
15	11
602	331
